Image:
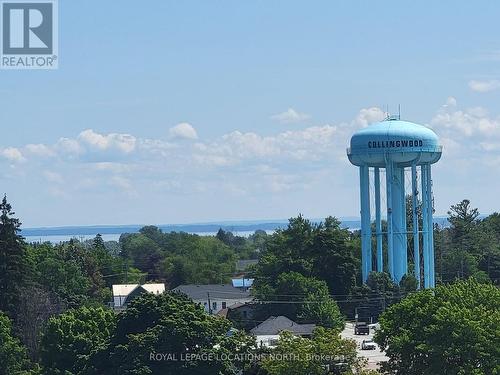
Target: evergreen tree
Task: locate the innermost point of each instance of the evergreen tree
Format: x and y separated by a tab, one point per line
12	259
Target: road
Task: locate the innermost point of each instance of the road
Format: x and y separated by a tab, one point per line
373	356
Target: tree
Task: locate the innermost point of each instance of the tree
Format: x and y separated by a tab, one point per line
36	306
71	338
462	216
199	260
308	301
469	247
169	323
13	358
452	329
61	269
12	258
490	263
333	257
144	253
326	349
463	220
372	298
408	284
324	251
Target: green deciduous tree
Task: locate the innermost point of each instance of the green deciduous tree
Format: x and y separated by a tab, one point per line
302	299
326	352
198	260
71	338
371	299
168	323
13	358
324	251
453	329
144	254
62	269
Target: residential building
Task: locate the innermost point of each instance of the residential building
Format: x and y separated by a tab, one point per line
215	297
124	293
267	333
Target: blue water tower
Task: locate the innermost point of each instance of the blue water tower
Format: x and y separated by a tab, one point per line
396	146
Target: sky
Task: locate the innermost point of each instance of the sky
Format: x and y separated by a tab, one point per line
201	111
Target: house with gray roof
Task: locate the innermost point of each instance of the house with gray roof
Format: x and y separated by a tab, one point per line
215	297
267	333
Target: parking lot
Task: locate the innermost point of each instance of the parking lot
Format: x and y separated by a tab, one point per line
373	356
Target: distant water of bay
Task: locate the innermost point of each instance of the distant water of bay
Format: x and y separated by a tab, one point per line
109	237
113	233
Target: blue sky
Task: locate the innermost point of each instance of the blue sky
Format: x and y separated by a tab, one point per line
172	112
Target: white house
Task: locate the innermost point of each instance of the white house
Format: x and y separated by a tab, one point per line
124	293
215	297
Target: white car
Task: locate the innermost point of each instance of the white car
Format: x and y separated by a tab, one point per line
368	345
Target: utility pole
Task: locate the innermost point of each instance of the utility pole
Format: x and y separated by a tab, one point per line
209	304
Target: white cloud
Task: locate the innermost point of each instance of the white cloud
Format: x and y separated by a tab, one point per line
308	144
111	167
39	150
122	142
450	102
183	131
467	134
469	122
239	162
12	154
484	86
69	146
290	116
368	115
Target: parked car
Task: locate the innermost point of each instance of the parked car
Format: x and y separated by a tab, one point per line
368	345
361	328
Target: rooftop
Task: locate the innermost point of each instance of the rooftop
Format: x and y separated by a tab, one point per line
126	289
242	283
220	291
274	325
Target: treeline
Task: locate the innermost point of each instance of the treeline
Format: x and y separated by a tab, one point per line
470	246
182	258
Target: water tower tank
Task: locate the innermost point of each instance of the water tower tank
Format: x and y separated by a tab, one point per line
394	147
403	142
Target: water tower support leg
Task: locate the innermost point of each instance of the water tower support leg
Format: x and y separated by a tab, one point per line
404	227
416	244
366	232
378	222
430	228
425	225
390	232
397	222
